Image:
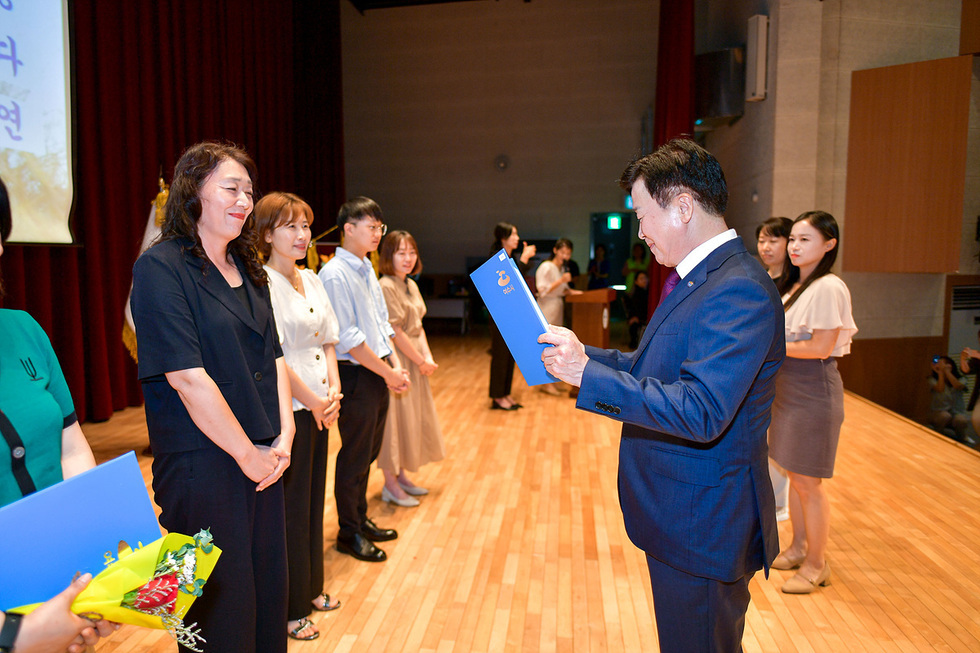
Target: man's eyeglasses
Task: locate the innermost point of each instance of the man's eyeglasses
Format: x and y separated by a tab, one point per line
383	228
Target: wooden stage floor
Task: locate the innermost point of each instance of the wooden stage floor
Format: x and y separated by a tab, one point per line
520	546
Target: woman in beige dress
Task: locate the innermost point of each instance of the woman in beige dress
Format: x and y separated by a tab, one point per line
412	434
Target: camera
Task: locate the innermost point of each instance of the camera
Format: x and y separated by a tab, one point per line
935	359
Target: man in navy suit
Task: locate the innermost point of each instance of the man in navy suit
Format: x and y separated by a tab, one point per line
694	400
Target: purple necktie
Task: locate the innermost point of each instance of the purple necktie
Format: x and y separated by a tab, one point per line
672	280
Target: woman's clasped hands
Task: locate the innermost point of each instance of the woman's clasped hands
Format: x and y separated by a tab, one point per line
264	464
328	410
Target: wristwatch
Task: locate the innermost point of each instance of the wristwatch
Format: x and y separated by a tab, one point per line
8	634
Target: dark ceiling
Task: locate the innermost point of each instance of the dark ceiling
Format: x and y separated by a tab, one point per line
364	5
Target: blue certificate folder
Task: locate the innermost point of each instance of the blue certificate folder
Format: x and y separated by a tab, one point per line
516	313
70	527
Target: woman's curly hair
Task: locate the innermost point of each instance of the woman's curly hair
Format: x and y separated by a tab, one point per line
183	209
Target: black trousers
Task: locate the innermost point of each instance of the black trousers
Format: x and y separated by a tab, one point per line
695	614
243	608
501	364
363	412
304	485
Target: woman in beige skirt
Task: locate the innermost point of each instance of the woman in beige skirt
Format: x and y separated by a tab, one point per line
412	434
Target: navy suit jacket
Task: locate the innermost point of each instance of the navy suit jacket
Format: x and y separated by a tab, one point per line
694	400
187	316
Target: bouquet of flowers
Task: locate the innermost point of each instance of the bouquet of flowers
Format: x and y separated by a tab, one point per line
152	586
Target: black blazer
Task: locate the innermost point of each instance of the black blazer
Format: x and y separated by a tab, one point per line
189	317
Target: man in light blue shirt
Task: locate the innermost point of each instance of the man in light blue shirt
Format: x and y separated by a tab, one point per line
368	367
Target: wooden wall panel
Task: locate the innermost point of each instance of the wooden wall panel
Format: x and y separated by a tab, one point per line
906	167
970	27
892	372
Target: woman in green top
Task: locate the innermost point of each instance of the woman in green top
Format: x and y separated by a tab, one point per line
35	407
42	442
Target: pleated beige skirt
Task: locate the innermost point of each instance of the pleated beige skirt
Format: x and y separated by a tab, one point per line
412	435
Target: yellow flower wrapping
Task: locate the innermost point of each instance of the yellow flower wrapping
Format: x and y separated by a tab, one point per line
104	595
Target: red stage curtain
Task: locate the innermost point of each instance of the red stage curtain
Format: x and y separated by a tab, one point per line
150	78
674	111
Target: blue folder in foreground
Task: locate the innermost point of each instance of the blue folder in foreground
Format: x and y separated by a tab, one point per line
70	527
516	314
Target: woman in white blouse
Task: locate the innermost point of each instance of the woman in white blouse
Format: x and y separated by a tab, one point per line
808	408
551	281
308	330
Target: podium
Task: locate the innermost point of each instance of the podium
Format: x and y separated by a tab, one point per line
590	316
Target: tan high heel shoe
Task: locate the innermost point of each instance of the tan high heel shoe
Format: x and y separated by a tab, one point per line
799	584
784	561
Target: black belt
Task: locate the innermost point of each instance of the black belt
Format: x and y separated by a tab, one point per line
18	456
353	364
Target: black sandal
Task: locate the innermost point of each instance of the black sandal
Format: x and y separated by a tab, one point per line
326	604
304	623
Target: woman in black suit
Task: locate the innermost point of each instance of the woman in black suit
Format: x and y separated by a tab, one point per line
218	406
505	237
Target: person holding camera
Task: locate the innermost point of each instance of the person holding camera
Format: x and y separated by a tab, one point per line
970	364
947	412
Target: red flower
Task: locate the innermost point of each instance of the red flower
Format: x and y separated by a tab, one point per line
161	591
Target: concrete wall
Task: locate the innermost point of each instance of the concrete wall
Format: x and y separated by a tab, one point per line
433	94
814	48
861	34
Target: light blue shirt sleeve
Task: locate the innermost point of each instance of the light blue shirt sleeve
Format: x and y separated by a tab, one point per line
341	298
358	302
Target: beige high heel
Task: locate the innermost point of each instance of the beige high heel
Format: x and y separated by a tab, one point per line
783	561
799	584
407	502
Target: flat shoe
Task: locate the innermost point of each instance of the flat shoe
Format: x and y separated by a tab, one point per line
414	490
327	605
785	562
495	406
304	623
407	502
799	584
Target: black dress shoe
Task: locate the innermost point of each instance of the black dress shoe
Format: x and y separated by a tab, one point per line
360	548
375	534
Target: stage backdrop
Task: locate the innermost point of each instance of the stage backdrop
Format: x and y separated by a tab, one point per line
150	78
